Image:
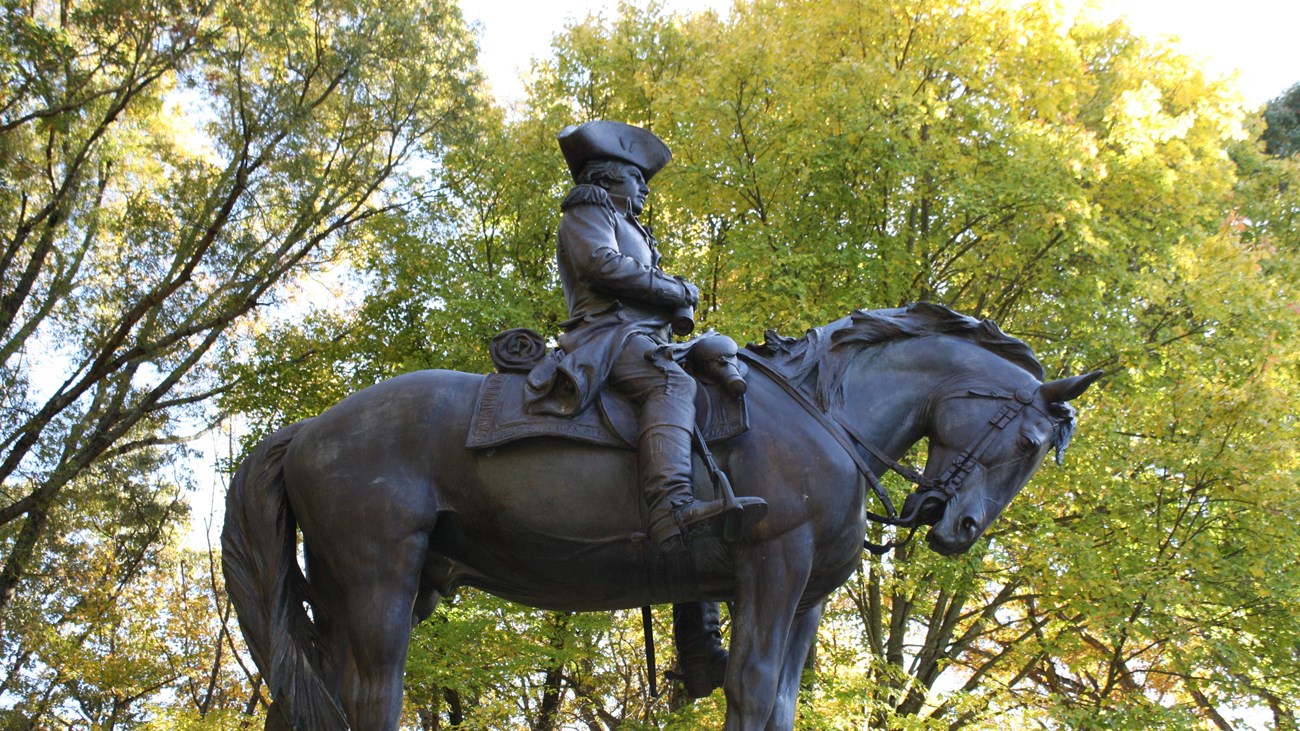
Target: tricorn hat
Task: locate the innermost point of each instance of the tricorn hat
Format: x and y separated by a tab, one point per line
604	140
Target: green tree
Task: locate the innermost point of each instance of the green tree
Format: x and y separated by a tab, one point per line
134	639
1282	119
130	253
168	166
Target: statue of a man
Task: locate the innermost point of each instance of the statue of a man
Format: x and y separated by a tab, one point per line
621	307
621	312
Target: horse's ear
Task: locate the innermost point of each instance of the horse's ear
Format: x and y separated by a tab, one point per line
1068	389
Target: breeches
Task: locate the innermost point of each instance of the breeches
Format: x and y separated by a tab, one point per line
651	379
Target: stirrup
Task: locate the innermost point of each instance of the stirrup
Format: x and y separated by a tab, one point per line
742	512
736	524
738	515
697	512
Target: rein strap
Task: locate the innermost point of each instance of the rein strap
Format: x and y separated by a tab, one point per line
948	483
836	430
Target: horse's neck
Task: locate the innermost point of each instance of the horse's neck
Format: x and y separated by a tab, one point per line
887	400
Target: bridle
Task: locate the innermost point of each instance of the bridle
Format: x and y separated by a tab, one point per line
928	489
946	486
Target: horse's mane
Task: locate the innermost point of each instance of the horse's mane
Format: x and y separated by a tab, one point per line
817	361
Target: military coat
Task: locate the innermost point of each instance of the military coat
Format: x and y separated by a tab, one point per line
609	268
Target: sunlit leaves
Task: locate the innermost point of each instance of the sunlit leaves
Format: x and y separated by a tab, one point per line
1068	179
167	164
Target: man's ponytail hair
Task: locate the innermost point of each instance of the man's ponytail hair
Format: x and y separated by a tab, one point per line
600	172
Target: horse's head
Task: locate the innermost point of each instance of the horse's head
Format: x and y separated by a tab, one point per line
891	377
985	444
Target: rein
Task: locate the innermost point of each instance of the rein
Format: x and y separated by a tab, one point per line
945	487
837	430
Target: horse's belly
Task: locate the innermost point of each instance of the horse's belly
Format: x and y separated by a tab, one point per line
568	576
601	579
560	526
547	491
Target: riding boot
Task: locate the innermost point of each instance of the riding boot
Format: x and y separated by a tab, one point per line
701	659
664	459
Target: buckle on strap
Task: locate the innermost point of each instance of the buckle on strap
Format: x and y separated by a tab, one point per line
1005	415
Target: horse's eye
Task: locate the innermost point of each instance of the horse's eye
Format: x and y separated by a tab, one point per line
1029	445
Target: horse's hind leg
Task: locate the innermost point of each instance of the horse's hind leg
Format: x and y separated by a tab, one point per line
378	600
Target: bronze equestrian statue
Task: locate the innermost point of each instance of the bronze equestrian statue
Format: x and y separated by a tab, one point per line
433	480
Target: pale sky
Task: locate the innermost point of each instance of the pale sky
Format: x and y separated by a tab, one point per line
1255	38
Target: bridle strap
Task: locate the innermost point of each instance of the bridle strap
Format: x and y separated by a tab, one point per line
837	431
953	477
950	482
945	486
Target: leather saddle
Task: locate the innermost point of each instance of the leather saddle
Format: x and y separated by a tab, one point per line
500	416
611	421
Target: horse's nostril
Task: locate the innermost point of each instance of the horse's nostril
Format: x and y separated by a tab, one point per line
969	526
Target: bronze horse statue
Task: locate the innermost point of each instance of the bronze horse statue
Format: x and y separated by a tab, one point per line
396	512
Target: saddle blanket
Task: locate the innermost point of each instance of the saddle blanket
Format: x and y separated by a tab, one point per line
499	417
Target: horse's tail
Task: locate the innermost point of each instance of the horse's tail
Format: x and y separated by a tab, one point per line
268	589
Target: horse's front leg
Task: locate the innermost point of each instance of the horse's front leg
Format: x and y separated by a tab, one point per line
803	632
770	579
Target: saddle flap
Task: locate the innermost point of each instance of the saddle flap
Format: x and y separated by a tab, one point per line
500	418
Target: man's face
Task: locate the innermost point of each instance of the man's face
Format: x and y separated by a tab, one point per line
630	185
